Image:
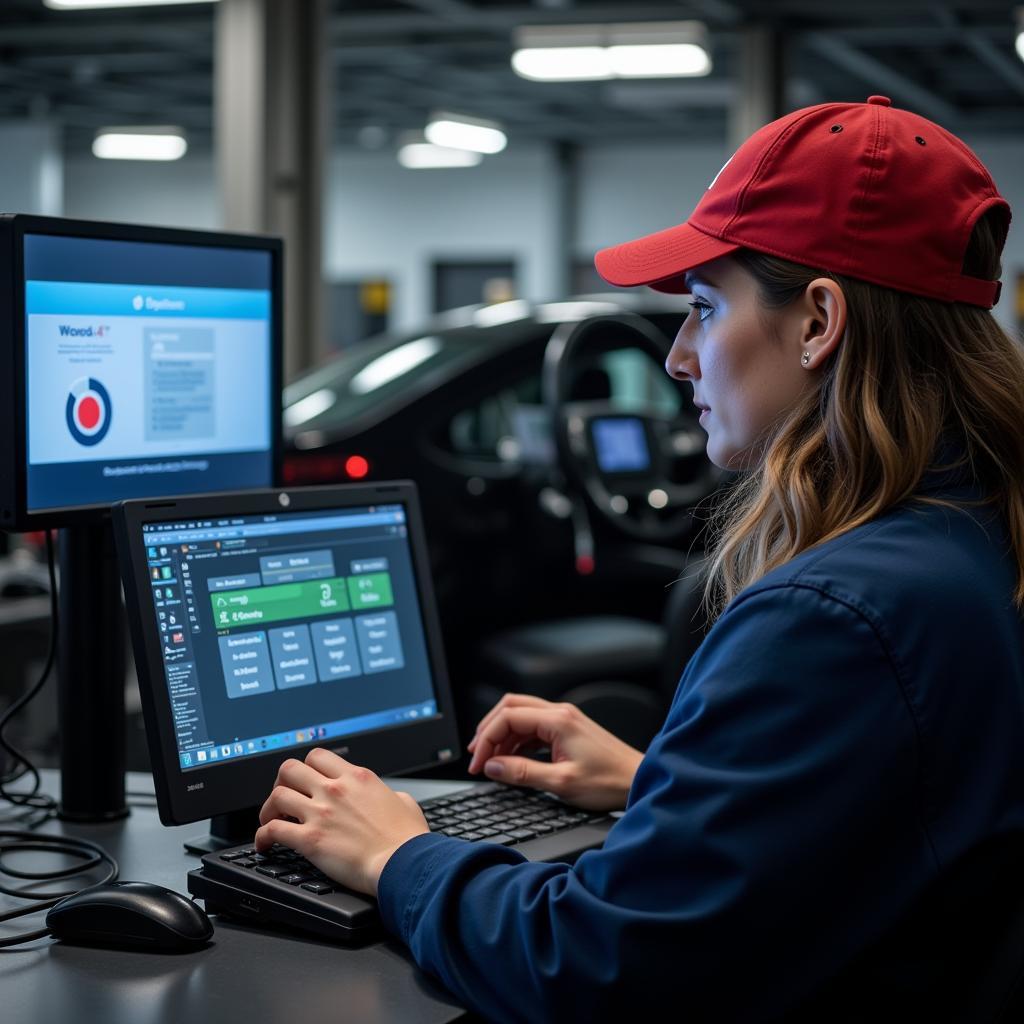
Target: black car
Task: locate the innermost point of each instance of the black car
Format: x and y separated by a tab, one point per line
559	467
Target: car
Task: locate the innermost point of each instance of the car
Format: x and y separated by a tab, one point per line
559	469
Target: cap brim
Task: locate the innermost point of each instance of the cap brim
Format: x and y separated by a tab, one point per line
660	260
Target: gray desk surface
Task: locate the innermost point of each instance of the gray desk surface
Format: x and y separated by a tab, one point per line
244	975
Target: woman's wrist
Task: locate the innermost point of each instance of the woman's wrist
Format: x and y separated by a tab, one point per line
632	763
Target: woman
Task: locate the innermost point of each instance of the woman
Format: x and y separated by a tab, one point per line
851	732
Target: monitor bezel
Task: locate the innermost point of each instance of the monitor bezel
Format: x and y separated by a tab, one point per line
184	797
14	512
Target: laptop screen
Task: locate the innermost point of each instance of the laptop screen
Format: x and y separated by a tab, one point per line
282	630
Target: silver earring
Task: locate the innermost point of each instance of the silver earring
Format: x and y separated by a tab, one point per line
806	358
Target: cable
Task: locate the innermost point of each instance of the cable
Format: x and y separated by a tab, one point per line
23	842
39	806
37	803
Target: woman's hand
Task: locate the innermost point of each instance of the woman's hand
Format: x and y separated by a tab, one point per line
589	766
340	817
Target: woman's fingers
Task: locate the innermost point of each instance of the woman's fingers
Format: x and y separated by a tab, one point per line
516	724
284	803
509	700
299	776
327	763
278	831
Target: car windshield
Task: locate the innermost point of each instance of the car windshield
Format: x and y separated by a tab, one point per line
380	369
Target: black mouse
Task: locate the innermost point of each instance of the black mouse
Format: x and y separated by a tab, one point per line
134	915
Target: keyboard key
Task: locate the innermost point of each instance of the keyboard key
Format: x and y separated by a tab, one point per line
502	840
320	888
246	862
522	833
472	837
272	870
294	879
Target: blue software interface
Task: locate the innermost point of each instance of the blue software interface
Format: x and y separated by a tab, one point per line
281	630
149	370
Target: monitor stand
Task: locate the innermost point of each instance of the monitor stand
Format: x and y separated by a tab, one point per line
226	830
90	676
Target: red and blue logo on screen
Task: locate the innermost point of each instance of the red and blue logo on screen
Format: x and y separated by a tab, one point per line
88	411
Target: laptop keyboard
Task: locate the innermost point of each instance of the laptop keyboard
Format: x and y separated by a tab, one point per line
502	815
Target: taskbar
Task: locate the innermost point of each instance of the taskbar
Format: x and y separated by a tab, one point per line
204	754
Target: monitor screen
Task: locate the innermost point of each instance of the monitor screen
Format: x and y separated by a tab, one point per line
278	631
148	368
621	445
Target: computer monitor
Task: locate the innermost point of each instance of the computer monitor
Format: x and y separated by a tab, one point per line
265	624
134	361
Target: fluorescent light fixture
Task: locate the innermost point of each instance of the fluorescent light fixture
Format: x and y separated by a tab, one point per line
653	49
562	64
394	364
84	5
456	131
140	143
309	407
668	60
1019	42
424	155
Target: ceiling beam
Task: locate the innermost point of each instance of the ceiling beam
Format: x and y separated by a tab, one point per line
880	77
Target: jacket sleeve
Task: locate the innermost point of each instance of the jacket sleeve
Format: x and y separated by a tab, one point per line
773	830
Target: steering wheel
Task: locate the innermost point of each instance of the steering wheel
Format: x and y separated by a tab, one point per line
641	468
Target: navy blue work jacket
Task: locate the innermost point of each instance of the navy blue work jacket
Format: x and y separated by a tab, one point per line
851	726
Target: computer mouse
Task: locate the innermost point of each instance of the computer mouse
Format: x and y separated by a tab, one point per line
133	915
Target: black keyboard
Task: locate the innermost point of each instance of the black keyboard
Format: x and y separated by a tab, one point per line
283	887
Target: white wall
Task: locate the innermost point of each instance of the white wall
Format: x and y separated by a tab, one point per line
382	219
181	194
628	192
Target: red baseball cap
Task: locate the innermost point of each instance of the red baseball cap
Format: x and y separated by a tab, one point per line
861	189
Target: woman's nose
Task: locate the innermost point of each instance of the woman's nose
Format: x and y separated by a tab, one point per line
681	363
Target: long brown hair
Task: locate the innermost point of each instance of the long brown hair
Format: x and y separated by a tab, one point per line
908	371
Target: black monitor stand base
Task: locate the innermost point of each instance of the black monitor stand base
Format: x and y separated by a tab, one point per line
226	830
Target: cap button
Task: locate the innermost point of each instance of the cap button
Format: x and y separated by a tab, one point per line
881	101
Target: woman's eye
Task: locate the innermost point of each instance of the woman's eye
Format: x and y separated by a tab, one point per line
702	309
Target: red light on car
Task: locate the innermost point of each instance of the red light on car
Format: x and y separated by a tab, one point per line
357	467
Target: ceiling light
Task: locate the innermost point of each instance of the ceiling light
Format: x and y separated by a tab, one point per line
1020	33
140	143
669	60
423	155
562	64
83	5
658	49
456	131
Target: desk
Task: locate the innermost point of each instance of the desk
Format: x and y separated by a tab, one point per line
244	975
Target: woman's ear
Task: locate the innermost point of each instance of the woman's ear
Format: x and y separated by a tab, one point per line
823	321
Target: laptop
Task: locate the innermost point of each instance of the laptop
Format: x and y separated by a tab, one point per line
267	623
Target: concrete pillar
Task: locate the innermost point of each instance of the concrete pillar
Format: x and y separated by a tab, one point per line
271	104
32	168
566	218
759	98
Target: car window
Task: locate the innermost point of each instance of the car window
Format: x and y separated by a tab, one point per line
636	381
512	424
